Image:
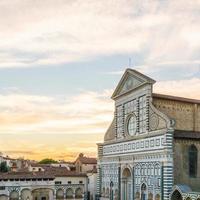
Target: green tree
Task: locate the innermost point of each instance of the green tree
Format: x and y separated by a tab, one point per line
4	167
47	161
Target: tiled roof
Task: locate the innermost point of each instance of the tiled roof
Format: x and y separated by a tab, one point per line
39	165
26	175
169	97
48	173
180	134
62	171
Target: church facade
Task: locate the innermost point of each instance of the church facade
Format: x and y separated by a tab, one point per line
150	150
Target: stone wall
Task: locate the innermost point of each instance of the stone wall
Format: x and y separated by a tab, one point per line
185	114
181	164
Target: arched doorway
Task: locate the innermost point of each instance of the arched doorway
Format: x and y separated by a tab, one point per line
42	194
60	194
126	184
3	197
26	194
69	193
143	192
78	193
14	195
176	195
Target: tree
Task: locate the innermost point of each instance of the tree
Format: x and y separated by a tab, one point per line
4	167
48	161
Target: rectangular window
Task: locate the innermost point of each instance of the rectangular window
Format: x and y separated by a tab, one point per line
58	182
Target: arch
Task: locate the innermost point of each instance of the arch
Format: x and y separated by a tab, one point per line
193	160
59	193
69	193
176	195
42	193
150	196
157	197
126	173
3	197
126	184
14	195
26	194
78	193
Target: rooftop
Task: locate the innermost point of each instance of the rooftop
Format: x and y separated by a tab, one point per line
181	134
176	98
48	173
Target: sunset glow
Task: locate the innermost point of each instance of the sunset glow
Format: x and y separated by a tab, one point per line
61	60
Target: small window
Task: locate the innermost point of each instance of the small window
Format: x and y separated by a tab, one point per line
2	188
80	182
193	157
58	183
69	182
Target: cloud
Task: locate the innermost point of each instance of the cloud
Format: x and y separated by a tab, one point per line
184	88
88	112
30	124
52	32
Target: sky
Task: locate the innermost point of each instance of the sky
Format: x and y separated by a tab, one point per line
60	61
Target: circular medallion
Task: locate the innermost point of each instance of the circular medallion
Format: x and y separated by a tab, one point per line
154	121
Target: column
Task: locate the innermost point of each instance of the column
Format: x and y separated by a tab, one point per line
167	168
119	182
133	183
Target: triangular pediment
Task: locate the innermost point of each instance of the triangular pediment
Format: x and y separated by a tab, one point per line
131	80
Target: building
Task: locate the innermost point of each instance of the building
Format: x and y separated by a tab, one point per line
88	165
151	151
92	183
45	183
85	164
13	164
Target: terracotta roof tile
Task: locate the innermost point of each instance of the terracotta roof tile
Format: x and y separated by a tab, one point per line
49	173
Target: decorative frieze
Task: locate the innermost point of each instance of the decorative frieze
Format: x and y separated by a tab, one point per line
148	144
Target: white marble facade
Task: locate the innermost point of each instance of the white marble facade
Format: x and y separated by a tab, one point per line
135	159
